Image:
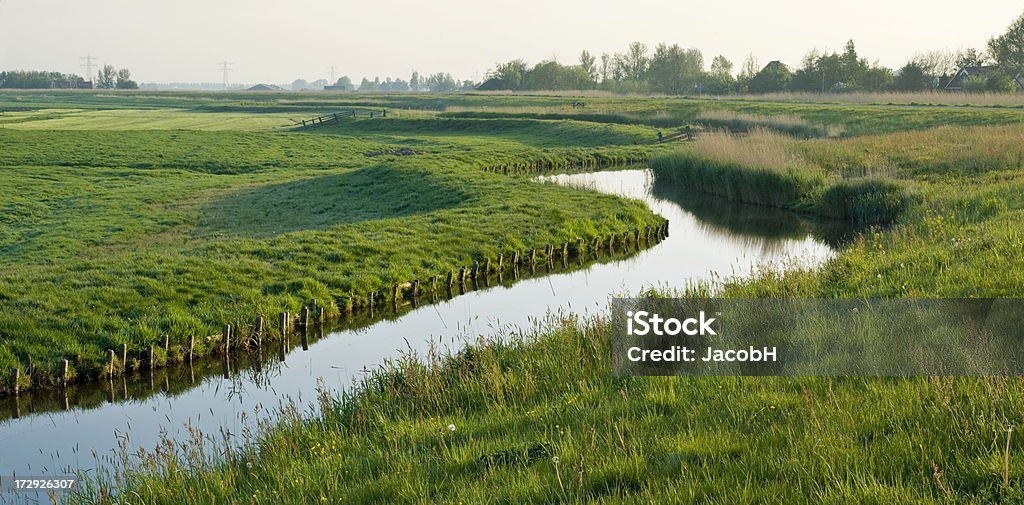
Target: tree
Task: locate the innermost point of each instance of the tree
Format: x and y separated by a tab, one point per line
636	62
1007	50
588	63
969	57
553	75
606	66
937	65
854	68
911	77
774	77
720	80
747	72
414	81
367	85
299	84
345	83
124	80
107	77
508	75
675	70
441	83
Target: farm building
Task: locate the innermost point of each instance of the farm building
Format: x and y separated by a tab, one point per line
264	87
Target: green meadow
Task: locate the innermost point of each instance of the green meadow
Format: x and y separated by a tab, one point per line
115	234
121	226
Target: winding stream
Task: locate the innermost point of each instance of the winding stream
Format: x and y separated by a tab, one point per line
706	239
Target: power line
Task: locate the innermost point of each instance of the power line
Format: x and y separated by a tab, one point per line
89	60
225	66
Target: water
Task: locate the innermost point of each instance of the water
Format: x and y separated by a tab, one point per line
707	239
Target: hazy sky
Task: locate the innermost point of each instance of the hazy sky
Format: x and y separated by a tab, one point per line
278	41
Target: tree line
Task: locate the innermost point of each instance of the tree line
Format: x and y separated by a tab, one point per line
107	78
673	70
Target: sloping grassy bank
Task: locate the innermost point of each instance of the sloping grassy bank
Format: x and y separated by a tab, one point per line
539	419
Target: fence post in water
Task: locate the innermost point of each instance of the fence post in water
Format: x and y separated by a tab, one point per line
258	330
321	315
533	256
15	379
151	359
304	317
111	366
64	372
636	236
451	281
191	347
415	287
283	324
476	269
124	356
487	266
515	258
462	275
167	344
501	260
565	250
225	338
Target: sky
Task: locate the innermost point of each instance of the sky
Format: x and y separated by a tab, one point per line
277	41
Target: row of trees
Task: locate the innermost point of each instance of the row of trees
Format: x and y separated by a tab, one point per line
675	70
32	79
108	78
440	82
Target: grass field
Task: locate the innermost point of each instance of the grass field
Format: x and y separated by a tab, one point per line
131	224
537	418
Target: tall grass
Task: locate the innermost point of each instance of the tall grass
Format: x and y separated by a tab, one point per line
909	98
785	123
767	168
758	168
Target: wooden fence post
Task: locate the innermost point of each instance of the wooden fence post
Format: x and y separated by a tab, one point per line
65	372
283	324
16	379
124	356
225	338
258	330
191	347
304	317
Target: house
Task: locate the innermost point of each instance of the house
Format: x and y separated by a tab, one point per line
957	82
